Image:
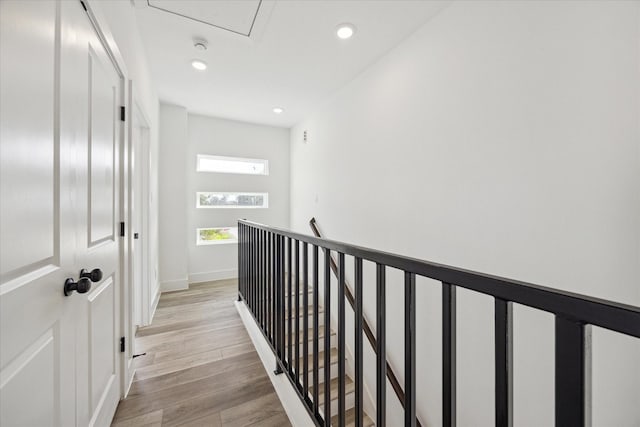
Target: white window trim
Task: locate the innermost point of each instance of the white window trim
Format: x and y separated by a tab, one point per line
236	159
213	242
264	206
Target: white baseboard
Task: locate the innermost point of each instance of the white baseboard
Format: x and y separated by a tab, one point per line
291	403
174	285
213	275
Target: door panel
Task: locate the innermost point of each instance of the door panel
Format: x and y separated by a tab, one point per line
102	131
37	333
35	365
102	362
27	157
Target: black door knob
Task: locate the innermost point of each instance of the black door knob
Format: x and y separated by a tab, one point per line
82	286
94	275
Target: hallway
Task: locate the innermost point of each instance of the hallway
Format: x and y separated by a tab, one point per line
200	367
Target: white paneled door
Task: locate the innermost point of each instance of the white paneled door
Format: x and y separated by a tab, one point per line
59	140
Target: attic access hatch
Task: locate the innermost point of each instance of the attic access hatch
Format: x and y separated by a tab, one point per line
238	17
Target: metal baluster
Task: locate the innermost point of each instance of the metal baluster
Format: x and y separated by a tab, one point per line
289	306
243	266
239	262
381	351
409	349
327	338
261	295
252	275
276	301
245	245
265	281
254	269
261	279
305	321
358	341
570	375
297	349
503	363
274	311
341	341
269	281
282	298
315	331
448	355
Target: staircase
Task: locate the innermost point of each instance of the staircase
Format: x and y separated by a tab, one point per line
333	367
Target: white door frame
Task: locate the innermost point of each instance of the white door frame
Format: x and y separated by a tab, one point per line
124	312
142	164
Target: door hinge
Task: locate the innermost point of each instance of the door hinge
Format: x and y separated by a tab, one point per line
122	113
122	229
84	6
121	344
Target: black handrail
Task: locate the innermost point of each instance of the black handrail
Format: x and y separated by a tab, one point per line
261	256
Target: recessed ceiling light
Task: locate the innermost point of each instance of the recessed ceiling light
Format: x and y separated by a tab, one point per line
278	110
199	65
345	31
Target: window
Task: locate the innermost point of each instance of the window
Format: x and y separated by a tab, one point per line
216	235
232	200
206	163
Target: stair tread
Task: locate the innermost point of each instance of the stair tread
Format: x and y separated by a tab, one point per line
334	359
301	311
350	419
309	335
294	293
349	387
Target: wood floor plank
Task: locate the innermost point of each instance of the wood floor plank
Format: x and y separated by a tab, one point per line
199	344
199	364
153	400
205	311
208	421
193	307
235	350
219	400
276	420
151	419
191	374
187	324
250	412
178	364
167	340
186	300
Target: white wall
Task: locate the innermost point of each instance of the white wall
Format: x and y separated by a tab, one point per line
501	137
182	137
172	183
208	135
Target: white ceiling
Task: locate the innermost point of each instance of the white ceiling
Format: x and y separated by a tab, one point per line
292	58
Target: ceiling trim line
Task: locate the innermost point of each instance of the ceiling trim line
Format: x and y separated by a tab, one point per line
254	18
209	23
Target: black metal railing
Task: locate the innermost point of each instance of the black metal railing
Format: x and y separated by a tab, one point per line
269	280
368	332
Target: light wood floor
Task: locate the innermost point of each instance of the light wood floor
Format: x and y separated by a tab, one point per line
201	368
